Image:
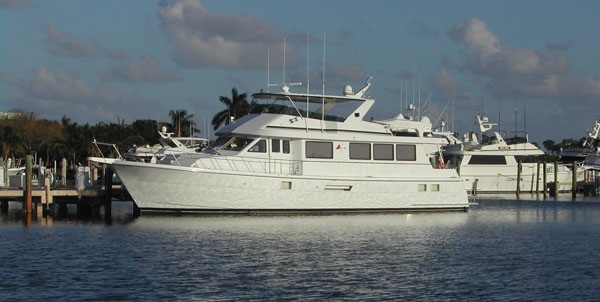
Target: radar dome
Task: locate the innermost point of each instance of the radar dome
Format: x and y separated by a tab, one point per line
348	90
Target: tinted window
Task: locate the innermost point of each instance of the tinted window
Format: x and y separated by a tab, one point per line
319	150
406	152
383	151
286	146
528	158
487	160
275	143
360	151
260	146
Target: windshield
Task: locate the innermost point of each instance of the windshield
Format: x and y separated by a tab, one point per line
232	143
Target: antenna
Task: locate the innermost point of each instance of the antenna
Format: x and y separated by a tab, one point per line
285	87
525	115
307	64
307	79
515	119
401	79
413	85
419	98
268	66
324	44
283	81
453	121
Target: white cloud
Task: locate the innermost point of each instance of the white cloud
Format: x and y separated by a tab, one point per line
62	44
61	94
147	69
519	71
446	88
203	39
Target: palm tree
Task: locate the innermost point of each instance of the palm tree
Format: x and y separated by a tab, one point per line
237	106
181	120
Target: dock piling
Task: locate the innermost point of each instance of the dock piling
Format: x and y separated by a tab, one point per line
28	183
518	179
545	179
574	180
537	179
556	184
108	173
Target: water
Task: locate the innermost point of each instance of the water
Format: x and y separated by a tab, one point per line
499	250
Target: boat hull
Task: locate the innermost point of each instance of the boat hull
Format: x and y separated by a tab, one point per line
505	180
156	187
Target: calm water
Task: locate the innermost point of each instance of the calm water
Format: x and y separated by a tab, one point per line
499	250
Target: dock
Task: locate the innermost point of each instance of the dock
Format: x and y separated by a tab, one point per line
52	199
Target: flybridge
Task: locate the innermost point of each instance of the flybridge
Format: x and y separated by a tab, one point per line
314	106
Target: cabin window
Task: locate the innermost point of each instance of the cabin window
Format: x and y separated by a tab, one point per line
383	151
360	151
275	145
286	146
528	158
319	150
406	152
260	146
487	160
232	143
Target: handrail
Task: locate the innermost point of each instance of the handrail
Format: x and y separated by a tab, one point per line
114	146
250	164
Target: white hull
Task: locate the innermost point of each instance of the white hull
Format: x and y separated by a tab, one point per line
168	187
503	179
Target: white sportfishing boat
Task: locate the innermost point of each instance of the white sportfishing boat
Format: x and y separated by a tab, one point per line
589	153
300	153
168	146
491	166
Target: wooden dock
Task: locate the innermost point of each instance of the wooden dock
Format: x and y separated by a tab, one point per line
45	198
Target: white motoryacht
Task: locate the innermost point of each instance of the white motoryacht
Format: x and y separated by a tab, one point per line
491	166
300	153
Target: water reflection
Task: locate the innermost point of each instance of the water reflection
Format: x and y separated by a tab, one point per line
501	249
121	212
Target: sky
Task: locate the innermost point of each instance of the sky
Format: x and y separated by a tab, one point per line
528	65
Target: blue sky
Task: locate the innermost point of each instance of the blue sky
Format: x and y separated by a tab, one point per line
530	64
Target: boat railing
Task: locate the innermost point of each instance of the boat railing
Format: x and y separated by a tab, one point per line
251	164
106	150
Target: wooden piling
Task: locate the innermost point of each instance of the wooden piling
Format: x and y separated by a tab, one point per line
556	179
28	182
48	195
63	171
537	179
545	184
518	179
3	206
5	174
108	173
574	180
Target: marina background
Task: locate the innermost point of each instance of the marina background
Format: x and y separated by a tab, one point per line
532	64
501	249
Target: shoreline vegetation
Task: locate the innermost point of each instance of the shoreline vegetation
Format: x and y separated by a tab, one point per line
23	133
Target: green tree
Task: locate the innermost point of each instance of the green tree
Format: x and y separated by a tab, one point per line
181	122
550	145
147	130
237	106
